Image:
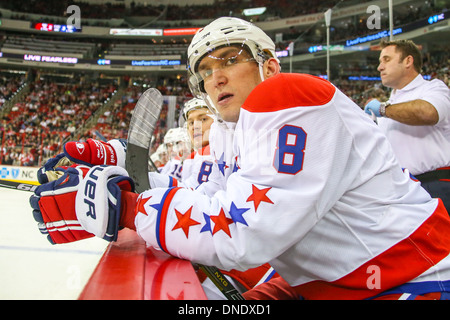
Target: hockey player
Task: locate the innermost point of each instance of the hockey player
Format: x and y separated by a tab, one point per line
317	192
198	120
94	152
178	148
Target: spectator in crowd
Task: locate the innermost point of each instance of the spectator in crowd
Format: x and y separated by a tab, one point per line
44	116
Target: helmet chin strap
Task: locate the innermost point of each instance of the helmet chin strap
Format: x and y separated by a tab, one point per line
261	70
211	107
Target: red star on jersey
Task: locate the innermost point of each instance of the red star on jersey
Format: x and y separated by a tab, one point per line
140	206
184	221
221	222
179	297
258	196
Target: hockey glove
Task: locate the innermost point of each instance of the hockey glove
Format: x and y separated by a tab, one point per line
90	153
73	208
96	152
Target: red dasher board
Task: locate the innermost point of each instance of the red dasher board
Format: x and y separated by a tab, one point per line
128	270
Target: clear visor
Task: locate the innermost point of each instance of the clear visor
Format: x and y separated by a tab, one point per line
215	60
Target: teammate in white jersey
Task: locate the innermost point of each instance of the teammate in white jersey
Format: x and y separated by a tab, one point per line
198	166
317	192
178	148
416	117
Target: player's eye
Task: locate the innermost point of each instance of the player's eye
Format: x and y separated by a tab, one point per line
205	73
230	61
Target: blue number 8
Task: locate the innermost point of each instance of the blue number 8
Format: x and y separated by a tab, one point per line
205	171
290	150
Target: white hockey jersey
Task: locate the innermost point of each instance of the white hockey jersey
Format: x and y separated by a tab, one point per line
317	193
173	168
197	168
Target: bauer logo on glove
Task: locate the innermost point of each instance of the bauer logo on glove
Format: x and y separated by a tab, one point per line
98	201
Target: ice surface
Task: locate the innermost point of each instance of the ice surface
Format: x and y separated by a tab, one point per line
32	268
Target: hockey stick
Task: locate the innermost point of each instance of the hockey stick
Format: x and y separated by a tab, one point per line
142	126
222	283
15	185
102	138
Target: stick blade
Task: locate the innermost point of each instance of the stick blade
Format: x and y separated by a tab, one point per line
142	125
145	115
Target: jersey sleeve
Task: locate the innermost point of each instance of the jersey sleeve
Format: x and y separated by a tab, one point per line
438	94
288	142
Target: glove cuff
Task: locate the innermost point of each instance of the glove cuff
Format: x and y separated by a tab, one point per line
120	147
98	200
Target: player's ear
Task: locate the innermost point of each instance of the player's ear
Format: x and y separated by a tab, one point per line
271	68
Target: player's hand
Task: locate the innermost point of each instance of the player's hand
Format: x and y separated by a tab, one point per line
373	107
89	153
53	168
82	203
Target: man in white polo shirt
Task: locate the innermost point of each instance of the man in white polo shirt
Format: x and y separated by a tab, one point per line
416	118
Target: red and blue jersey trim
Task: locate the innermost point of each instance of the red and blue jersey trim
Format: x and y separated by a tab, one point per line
161	217
398	265
415	289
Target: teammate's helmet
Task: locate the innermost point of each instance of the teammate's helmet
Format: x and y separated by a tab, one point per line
175	135
193	104
221	32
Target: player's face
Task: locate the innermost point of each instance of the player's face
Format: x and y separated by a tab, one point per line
229	75
170	152
392	68
182	149
198	124
163	157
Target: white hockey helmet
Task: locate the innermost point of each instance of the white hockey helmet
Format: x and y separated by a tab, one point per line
175	135
155	157
160	150
193	104
226	31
